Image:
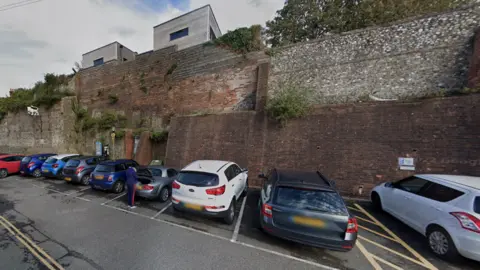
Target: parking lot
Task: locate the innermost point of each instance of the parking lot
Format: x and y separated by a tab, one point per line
383	243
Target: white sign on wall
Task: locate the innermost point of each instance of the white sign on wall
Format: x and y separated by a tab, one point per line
406	164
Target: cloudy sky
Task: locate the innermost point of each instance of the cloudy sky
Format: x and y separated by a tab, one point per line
41	36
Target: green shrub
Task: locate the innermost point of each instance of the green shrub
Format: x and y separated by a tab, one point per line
89	123
79	111
172	69
107	121
137	132
242	40
121	121
144	89
120	134
159	136
112	98
290	101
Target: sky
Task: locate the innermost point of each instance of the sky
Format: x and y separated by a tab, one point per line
49	36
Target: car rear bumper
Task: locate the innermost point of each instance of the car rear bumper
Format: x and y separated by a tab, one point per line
468	244
339	245
101	184
181	206
73	178
149	194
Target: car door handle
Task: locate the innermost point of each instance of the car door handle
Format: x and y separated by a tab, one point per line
233	185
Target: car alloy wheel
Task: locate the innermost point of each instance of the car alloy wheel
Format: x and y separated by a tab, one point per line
37	173
85	180
118	187
3	173
164	194
438	243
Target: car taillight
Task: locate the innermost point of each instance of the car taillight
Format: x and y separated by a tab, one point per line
352	226
31	164
267	210
467	221
147	187
55	165
79	169
216	191
175	185
110	178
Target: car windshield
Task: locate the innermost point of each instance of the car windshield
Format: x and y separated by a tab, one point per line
312	200
476	205
51	160
198	179
105	168
72	163
156	172
26	159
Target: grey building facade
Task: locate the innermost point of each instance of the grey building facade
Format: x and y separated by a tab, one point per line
109	52
193	28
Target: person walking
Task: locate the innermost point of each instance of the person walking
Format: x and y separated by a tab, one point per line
131	185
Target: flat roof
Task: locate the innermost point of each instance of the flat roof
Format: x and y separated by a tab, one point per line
210	7
115	42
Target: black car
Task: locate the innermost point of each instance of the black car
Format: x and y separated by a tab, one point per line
78	169
305	207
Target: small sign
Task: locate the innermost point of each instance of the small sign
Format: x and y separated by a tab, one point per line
98	149
406	164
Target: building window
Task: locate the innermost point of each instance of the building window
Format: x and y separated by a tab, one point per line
212	34
125	59
98	62
179	34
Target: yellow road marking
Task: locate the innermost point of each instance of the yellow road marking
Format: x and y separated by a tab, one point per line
391	250
366	220
354	209
368	255
387	262
48	257
48	265
426	263
377	233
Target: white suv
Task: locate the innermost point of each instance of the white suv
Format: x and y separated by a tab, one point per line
444	208
210	187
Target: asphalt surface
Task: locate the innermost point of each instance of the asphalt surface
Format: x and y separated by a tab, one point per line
88	229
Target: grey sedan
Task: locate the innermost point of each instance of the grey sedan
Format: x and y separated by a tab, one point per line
155	182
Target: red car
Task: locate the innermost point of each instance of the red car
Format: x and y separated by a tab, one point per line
9	164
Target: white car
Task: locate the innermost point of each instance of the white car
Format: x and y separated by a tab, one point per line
210	187
444	208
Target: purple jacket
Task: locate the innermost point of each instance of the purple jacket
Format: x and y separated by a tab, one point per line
131	177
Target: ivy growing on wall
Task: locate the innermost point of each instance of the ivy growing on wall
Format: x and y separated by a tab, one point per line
242	40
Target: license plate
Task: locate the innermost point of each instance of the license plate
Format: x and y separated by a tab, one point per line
139	187
99	177
22	172
98	187
310	222
45	170
68	179
193	206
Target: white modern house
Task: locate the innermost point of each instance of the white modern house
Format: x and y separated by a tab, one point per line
109	52
190	29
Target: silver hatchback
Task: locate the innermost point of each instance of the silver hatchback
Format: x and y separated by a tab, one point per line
155	182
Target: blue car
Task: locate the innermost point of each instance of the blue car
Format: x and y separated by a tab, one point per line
53	166
111	175
31	165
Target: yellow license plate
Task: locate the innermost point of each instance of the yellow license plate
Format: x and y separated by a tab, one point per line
139	187
193	206
45	170
99	177
68	179
311	222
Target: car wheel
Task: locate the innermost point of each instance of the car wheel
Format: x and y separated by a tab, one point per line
118	187
164	194
230	217
85	179
3	173
60	174
245	189
441	244
376	202
37	173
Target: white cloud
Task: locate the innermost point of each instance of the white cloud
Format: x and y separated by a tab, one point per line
49	36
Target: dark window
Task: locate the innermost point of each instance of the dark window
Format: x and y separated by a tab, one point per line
156	172
312	200
232	171
198	179
144	172
212	34
98	62
18	158
476	205
179	34
44	158
125	59
72	163
120	167
131	163
51	160
26	159
440	193
411	184
171	173
104	168
65	159
9	159
91	161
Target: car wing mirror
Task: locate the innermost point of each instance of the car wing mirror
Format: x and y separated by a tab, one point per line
244	170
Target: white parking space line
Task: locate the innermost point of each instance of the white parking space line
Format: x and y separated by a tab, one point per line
239	221
63	193
161	211
114	198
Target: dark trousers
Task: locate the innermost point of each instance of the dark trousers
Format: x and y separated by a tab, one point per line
131	194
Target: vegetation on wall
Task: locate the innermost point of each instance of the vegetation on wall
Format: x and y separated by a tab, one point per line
242	40
44	93
159	136
289	102
172	69
112	99
303	20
